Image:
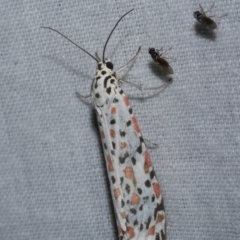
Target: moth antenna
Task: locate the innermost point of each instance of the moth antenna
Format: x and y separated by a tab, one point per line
112	32
70	41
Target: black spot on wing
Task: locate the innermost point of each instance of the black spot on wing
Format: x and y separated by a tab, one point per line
113	179
139	191
159	207
122	159
127	188
122	133
157	236
148	183
133	160
133	211
135	223
152	174
113	121
109	90
139	149
128	123
145	199
148	222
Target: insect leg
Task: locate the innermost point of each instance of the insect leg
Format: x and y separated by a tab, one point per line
82	96
160	87
130	61
210	9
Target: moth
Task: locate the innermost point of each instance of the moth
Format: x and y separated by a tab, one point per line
136	193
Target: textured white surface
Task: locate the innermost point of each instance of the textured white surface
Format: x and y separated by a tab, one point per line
53	182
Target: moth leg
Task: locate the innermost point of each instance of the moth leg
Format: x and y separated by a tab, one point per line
134	85
82	96
130	61
161	86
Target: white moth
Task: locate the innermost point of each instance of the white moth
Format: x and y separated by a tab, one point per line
136	194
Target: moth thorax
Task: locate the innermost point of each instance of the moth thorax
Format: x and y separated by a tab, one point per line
104	84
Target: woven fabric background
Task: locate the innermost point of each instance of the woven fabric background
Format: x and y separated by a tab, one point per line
53	181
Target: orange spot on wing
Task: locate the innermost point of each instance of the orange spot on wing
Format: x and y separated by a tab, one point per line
160	218
113	110
112	133
147	163
131	232
151	230
129	174
126	101
123	145
156	189
135	124
135	199
116	192
109	163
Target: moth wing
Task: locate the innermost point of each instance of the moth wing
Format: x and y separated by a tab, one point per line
135	191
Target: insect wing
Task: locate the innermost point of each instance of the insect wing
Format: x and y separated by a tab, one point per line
209	23
135	191
164	65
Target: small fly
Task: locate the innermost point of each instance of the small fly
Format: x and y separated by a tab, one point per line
206	20
158	58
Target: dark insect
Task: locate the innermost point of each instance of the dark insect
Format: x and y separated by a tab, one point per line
158	58
204	19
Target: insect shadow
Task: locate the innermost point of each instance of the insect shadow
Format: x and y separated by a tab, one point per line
68	67
158	72
204	32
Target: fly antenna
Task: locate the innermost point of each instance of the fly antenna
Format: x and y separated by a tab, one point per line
70	41
112	32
